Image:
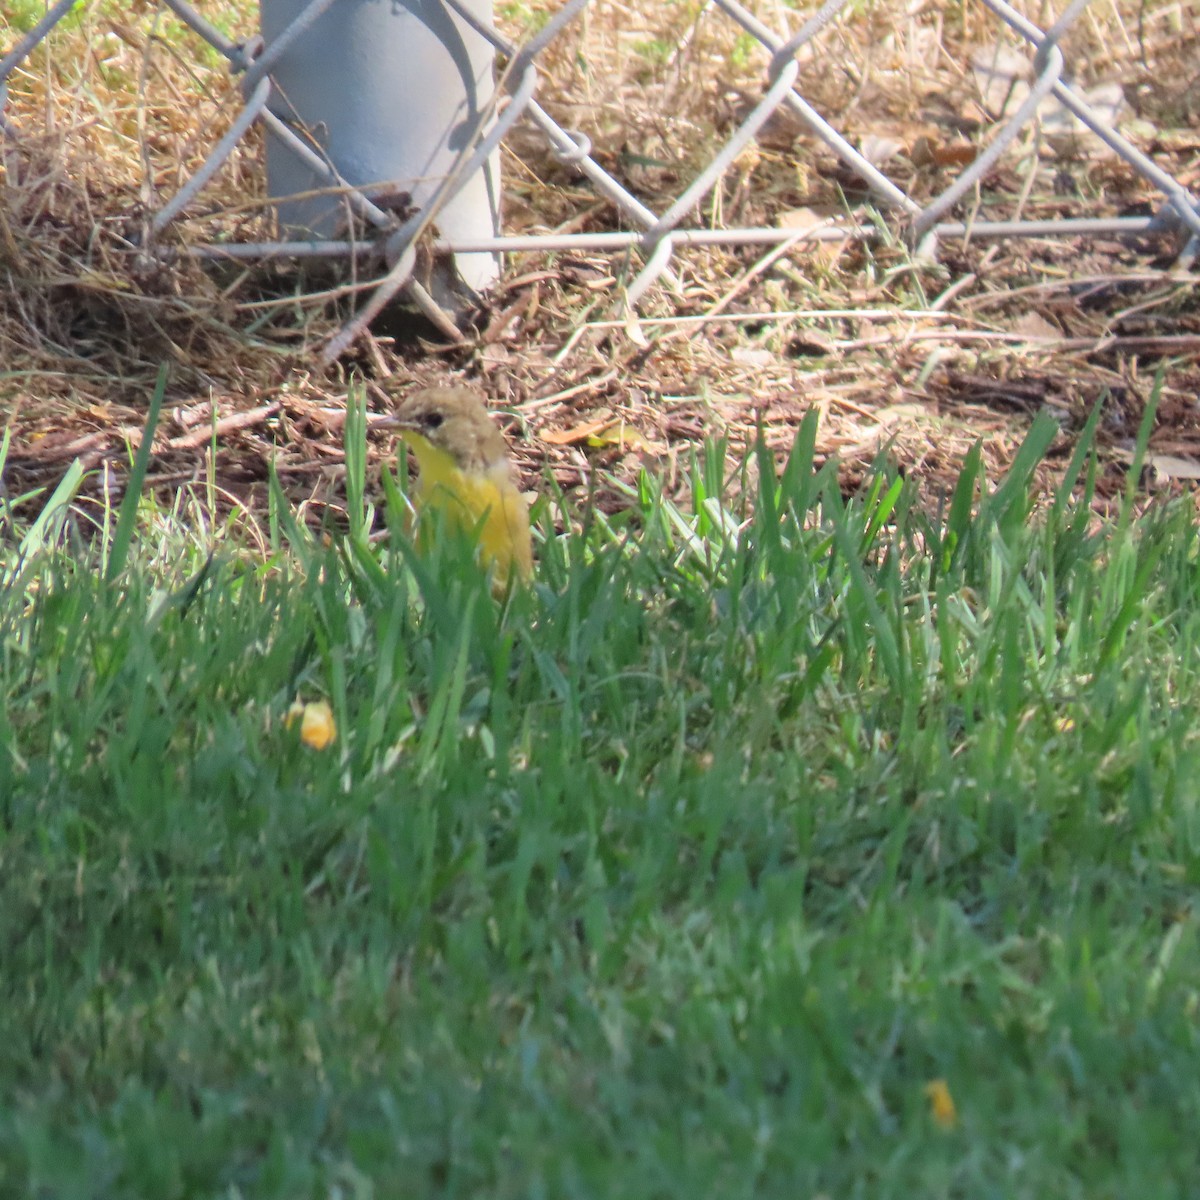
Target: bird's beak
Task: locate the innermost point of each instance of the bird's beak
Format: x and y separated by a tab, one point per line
391	421
409	431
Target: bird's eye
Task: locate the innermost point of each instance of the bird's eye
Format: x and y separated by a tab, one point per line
433	419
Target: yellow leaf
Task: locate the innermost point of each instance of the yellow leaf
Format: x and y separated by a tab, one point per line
618	434
102	280
317	726
941	1103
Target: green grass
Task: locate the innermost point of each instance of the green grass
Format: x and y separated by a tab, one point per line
681	876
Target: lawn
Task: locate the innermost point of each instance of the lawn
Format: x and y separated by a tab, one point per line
825	820
690	872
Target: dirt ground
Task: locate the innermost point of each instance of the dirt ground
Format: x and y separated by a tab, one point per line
911	359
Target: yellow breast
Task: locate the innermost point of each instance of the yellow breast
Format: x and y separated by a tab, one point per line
486	501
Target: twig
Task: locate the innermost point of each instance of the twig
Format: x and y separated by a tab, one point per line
239	420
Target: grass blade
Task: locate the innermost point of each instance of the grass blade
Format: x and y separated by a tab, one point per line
118	549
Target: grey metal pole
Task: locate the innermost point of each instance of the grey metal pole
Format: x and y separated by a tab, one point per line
388	92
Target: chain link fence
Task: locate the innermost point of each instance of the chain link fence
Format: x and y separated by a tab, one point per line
651	165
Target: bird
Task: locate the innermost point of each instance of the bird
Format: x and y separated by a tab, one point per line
464	473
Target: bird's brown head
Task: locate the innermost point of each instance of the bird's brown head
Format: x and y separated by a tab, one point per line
455	421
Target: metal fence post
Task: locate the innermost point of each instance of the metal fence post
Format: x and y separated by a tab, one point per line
389	93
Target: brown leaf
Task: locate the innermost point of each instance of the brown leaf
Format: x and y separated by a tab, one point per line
926	152
802	220
805	220
1034	326
579	433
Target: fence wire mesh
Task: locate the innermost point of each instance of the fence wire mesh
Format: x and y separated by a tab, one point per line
731	125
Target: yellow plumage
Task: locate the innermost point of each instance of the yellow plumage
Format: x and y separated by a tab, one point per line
464	473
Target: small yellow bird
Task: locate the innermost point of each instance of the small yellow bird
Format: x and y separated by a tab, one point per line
465	474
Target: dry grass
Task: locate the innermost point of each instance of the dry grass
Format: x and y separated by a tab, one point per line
117	110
